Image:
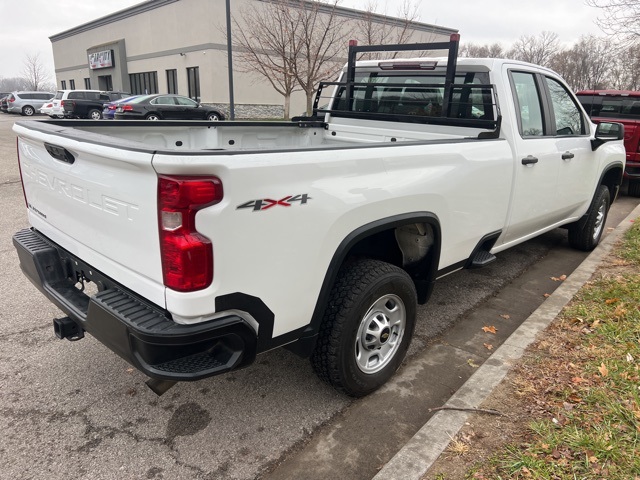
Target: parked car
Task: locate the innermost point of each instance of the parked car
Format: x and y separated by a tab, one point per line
3	101
109	109
27	103
88	104
621	106
46	108
165	107
61	96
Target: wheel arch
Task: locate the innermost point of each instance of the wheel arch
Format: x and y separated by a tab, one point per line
612	178
376	240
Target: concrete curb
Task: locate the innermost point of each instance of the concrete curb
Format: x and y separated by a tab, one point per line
417	456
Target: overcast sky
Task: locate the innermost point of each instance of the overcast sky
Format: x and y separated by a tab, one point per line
27	24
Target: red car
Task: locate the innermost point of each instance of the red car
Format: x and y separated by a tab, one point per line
621	106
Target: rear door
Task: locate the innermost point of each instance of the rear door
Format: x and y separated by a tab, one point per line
534	204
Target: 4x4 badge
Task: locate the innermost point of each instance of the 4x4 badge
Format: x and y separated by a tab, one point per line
267	203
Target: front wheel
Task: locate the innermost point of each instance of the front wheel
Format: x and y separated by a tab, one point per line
213	117
586	235
367	327
153	116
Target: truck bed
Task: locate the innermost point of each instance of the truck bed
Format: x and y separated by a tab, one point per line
226	137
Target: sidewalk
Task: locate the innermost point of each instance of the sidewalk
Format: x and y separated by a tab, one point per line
417	456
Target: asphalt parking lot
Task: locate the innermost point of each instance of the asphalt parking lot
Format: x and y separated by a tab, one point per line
77	411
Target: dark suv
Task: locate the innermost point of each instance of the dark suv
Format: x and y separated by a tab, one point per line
621	106
88	104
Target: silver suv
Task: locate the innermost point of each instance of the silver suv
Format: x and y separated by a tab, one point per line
27	103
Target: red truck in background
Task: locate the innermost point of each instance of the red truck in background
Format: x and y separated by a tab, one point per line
622	106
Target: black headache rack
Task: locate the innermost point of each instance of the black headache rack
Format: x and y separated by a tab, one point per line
445	102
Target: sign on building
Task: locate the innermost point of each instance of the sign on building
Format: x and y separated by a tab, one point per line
102	59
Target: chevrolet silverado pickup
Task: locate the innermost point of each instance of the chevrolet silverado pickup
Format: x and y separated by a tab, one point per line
188	248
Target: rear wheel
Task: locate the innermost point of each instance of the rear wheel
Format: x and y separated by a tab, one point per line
28	110
213	117
94	114
153	116
587	235
367	327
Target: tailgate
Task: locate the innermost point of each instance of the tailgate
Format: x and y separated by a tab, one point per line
97	201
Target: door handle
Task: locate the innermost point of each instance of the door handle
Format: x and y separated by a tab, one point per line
529	160
567	156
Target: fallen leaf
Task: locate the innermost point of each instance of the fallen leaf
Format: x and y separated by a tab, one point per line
546	295
611	300
488	346
471	363
577	380
604	371
490	329
629	358
505	316
129	370
559	279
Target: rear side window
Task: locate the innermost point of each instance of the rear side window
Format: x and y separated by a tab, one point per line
528	107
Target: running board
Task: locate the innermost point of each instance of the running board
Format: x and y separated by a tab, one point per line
482	258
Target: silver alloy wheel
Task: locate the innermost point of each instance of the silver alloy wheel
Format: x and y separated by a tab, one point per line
153	117
599	225
380	333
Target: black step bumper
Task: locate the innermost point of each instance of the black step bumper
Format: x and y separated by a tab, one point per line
138	331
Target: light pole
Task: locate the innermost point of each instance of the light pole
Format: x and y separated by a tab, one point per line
230	63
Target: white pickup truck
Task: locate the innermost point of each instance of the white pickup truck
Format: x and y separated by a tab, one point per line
190	247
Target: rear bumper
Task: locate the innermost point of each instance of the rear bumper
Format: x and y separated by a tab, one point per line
140	332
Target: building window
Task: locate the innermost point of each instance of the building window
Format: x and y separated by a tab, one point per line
63	84
72	84
172	81
87	83
193	77
144	83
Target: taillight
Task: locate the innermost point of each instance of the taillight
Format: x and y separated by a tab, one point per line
111	107
127	108
187	256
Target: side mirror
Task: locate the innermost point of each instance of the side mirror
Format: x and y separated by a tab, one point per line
607	132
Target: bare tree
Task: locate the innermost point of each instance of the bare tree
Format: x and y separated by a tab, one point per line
620	18
34	72
624	73
472	50
536	49
265	42
320	43
377	28
586	65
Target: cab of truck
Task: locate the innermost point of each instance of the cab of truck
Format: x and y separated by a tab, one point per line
622	106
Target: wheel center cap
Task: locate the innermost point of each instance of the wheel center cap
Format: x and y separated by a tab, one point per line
384	336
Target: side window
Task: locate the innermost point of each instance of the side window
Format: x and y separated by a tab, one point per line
568	116
528	104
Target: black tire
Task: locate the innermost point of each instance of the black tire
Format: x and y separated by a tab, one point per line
153	117
372	303
213	117
28	110
634	188
94	114
586	235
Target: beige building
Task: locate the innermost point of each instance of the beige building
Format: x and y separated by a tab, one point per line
179	46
